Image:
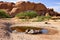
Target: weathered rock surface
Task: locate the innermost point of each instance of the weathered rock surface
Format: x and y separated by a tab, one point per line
29	6
6	5
14	8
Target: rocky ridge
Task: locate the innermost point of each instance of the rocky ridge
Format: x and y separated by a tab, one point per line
14	8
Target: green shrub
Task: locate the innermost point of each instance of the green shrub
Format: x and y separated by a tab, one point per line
26	14
48	17
43	18
40	18
3	14
20	15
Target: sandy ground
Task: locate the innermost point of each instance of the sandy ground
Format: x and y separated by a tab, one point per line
23	36
19	36
55	25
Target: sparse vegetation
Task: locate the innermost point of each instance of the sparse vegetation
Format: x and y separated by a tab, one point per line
26	15
47	16
3	14
40	18
43	18
31	14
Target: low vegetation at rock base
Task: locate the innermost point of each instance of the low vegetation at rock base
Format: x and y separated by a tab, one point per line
3	14
26	15
32	14
43	18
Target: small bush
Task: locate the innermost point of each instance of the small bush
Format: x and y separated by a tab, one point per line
26	15
40	18
43	18
48	17
3	14
20	15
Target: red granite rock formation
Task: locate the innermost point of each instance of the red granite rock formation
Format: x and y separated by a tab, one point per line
6	5
25	6
14	8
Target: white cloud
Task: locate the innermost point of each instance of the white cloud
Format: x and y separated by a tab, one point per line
57	3
56	8
22	0
8	0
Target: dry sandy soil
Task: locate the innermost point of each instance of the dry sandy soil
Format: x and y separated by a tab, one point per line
23	36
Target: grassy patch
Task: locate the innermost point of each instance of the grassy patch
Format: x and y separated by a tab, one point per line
26	15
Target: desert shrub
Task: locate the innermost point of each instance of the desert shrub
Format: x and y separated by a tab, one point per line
40	18
48	17
20	15
3	14
26	15
43	18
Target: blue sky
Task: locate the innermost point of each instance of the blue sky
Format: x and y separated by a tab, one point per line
48	3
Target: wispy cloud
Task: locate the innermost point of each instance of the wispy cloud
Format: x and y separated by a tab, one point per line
56	8
9	0
57	3
22	0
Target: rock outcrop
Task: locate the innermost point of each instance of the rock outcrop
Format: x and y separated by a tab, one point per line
28	6
6	5
14	8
